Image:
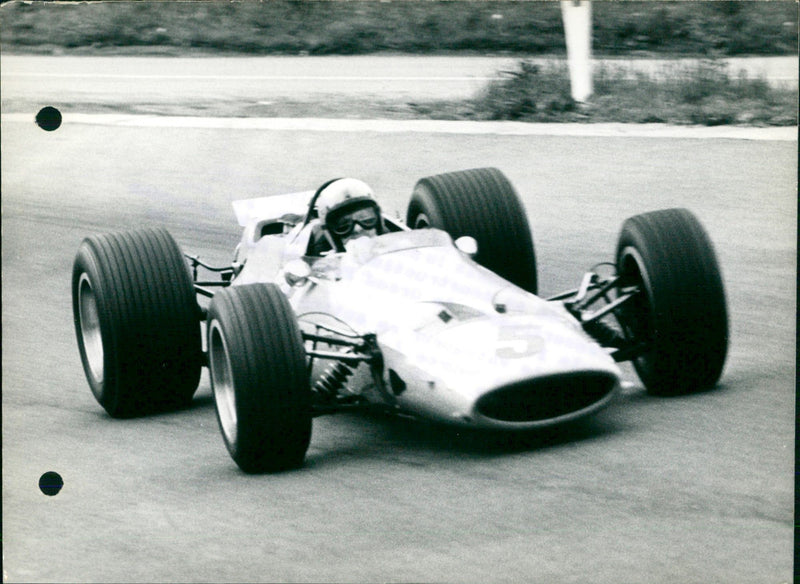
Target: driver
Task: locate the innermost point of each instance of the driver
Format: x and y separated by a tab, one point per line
348	210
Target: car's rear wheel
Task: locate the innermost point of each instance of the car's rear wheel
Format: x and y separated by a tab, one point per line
137	322
259	378
681	313
481	203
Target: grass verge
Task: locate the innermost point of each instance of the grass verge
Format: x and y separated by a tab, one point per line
408	26
704	93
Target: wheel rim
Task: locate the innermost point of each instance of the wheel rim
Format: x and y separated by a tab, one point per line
222	382
89	322
641	311
421	221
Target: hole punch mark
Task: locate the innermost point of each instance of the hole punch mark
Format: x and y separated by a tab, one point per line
48	118
50	483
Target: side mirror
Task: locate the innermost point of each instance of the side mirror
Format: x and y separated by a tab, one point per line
296	273
467	245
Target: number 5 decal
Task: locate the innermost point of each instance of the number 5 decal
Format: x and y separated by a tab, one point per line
516	342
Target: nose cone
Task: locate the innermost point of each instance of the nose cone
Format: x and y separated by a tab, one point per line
513	371
545	400
503	349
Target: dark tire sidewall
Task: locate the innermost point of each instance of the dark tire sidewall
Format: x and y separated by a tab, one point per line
149	321
269	378
687	311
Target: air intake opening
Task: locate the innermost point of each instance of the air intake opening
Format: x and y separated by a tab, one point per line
547	397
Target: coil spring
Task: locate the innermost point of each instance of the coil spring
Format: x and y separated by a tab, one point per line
333	379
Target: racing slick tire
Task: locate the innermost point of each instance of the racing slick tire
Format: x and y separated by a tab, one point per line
259	378
682	315
481	203
137	322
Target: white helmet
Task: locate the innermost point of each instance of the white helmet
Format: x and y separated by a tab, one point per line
343	193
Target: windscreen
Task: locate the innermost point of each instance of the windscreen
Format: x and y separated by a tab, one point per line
367	249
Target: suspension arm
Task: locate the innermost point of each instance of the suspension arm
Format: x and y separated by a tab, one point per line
348	358
225	273
332	340
570	293
610	307
594	289
195	261
583	299
629	353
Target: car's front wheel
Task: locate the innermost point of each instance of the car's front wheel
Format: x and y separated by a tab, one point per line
259	378
680	314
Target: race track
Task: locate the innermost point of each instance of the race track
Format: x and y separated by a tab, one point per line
687	489
249	86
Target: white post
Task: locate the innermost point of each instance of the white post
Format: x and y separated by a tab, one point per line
577	15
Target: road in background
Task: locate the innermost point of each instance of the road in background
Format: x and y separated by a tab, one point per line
688	489
200	81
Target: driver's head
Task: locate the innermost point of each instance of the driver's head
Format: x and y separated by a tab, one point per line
348	210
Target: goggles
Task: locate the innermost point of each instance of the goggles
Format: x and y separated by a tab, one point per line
366	218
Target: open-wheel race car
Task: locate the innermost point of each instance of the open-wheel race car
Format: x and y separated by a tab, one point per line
436	316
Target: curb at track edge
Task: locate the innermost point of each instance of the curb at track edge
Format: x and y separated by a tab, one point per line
500	128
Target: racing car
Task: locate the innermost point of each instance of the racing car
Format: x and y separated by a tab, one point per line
435	316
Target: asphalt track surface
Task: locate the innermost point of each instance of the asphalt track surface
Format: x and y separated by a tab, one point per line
248	85
688	489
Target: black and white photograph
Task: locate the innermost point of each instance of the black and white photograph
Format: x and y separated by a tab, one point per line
399	291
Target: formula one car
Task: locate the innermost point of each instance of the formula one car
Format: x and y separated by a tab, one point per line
436	316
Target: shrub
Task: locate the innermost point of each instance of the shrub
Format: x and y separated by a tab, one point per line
701	93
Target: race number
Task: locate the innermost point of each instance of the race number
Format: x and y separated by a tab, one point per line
519	341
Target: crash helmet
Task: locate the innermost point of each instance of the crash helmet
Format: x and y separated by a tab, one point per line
343	197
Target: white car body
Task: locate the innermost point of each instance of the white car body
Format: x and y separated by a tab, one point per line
459	343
